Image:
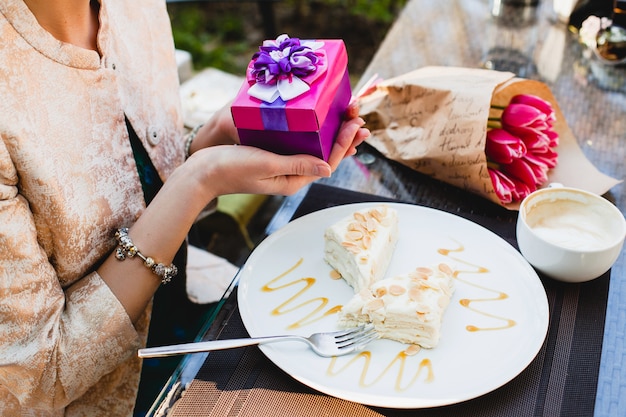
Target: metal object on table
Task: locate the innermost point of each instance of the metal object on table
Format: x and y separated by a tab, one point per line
326	344
611	42
511	36
516	11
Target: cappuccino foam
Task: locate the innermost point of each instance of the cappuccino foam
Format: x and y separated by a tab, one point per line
571	224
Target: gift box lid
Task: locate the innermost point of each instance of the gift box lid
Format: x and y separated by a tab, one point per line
305	113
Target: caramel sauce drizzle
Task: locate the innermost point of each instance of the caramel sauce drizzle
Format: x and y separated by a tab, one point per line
425	365
467	302
308	282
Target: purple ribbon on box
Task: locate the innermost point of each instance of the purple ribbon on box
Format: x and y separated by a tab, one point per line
274	119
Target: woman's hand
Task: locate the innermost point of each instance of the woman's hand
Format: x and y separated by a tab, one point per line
218	130
246	169
351	134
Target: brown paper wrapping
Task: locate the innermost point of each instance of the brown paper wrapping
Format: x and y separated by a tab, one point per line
434	120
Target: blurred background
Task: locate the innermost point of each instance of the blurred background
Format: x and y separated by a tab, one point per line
225	34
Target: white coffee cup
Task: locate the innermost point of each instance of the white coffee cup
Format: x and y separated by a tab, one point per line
569	234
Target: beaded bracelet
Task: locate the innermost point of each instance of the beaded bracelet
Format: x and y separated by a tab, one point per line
190	137
126	248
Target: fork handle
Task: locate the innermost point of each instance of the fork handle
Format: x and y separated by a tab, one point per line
162	351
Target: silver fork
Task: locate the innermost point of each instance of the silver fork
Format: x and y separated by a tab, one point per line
324	344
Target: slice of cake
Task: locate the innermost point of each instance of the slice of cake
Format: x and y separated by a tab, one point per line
407	308
359	247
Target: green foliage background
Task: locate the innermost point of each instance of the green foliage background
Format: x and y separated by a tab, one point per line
225	33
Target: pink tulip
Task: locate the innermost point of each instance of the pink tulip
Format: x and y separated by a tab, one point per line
522	171
523	149
522	190
554	138
533	139
536	102
502	185
507	188
548	157
539	168
502	147
524	118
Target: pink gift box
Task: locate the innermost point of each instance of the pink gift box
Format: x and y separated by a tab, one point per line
306	124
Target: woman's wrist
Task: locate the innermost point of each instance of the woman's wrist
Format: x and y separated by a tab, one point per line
126	249
218	130
157	234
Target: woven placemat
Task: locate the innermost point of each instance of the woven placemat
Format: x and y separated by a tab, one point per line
560	381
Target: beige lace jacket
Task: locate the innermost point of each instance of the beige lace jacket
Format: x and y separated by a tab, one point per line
67	181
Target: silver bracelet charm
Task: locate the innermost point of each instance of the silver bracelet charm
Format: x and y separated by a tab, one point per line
126	248
190	137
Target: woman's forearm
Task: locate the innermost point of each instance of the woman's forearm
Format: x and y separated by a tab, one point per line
158	233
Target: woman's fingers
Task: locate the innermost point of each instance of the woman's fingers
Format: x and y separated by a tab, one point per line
352	112
351	134
246	169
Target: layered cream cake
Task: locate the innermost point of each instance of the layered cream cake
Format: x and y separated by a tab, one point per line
407	308
360	246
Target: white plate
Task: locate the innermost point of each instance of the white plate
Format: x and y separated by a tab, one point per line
285	287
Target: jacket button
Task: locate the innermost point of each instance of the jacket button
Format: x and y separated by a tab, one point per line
153	137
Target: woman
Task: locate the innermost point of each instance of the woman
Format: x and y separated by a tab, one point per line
90	123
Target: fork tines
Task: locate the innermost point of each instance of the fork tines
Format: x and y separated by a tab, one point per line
359	336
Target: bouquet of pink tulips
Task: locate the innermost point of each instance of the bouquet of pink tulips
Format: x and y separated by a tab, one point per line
520	146
484	131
